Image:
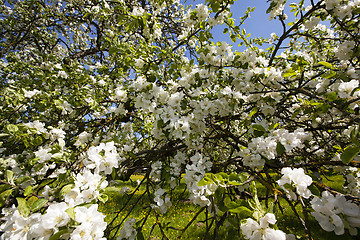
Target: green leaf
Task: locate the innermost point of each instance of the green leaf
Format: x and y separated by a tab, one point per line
242	211
280	149
354	136
253	112
38	204
225	30
4	187
9	176
326	64
22	179
221	176
233	38
4	195
349	153
288	186
23	207
66	189
332	96
28	190
58	235
238	179
259	130
12	128
113	49
233	204
139	235
103	198
314	190
71	212
271	7
205	181
289	73
329	74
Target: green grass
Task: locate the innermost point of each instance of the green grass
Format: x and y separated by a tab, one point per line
182	212
176	217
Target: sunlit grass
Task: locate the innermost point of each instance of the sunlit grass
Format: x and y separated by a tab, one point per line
183	211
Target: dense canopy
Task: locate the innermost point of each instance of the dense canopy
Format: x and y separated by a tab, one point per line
94	92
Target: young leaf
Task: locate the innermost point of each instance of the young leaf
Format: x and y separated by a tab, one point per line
23	207
28	190
243	211
38	204
349	153
280	149
58	235
326	64
71	212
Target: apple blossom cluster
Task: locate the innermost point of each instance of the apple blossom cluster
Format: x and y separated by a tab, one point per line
341	10
103	87
311	23
87	188
19	227
193	174
91	223
176	163
335	213
128	231
346	89
156	171
345	50
295	178
202	13
261	148
162	201
216	55
277	9
254	230
102	158
353	181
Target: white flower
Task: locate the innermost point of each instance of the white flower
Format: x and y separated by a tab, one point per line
312	22
43	154
30	94
90	214
330	223
92	223
102	158
344	50
128	231
345	88
19	227
297	178
331	211
162	201
120	94
39	126
83	138
202	12
56	216
62	74
138	11
255	231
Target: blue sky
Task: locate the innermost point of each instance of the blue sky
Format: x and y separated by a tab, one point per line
258	24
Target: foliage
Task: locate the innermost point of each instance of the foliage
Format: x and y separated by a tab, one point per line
93	92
